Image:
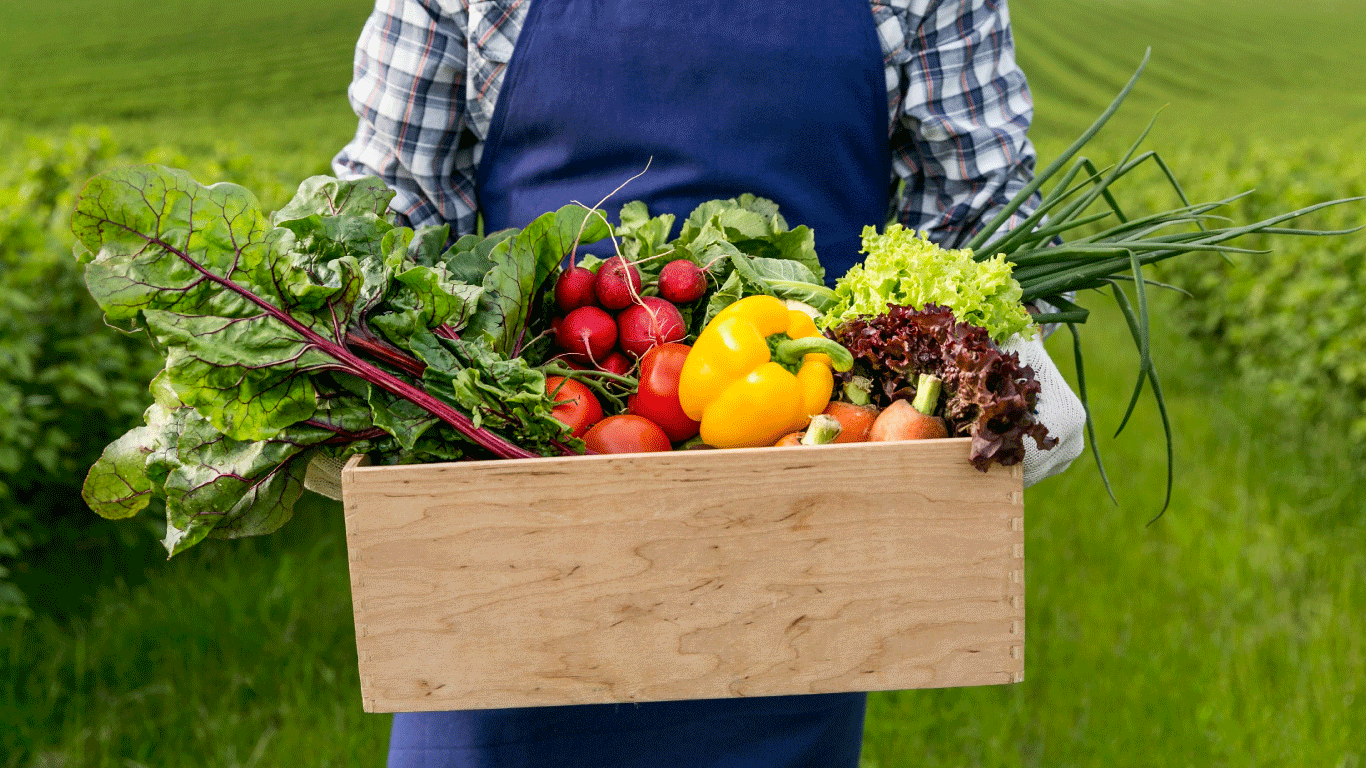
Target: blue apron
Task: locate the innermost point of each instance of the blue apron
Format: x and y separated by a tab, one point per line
783	98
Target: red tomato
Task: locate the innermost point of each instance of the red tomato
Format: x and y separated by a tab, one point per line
577	408
657	399
626	433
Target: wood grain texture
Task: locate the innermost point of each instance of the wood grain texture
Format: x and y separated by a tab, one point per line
693	574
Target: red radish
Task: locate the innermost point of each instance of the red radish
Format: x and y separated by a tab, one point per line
653	321
574	289
682	281
617	284
555	323
587	332
615	363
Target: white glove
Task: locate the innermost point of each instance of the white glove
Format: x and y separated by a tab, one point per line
324	476
1058	409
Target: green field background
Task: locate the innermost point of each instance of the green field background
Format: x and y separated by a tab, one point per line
1229	633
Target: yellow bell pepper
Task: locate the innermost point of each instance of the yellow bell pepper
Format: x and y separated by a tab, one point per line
758	371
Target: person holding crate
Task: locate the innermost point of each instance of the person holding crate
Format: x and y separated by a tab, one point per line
842	112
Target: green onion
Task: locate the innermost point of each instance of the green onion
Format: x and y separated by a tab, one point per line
1050	271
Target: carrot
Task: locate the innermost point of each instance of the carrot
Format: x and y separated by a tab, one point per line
822	430
903	420
855	420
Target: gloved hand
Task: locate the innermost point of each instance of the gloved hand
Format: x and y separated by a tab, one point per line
1058	408
324	476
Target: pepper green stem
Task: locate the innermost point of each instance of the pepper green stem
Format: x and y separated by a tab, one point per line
927	389
788	350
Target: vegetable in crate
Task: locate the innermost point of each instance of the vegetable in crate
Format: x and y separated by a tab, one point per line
904	268
323	328
759	370
988	395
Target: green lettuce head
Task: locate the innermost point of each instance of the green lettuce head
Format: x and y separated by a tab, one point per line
904	268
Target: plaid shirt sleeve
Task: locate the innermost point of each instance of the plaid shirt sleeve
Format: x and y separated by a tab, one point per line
409	91
960	141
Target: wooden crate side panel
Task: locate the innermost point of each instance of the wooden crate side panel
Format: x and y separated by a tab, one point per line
688	575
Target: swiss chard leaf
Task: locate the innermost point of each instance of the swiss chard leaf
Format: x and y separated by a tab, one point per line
497	391
250	376
117	486
233	488
263	328
520	265
472	256
327	196
424	297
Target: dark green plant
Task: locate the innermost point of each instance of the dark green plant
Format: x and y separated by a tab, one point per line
1291	321
69	383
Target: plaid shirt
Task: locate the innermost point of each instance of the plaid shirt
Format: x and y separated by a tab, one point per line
427	75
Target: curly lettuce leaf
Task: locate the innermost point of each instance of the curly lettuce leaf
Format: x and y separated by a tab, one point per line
903	268
988	395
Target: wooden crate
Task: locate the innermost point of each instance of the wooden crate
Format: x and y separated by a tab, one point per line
685	575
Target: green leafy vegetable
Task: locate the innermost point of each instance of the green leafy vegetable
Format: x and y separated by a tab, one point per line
988	395
744	245
322	328
904	268
520	264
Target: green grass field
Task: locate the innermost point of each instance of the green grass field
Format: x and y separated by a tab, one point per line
1229	633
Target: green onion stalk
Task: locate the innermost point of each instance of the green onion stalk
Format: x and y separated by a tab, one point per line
1051	267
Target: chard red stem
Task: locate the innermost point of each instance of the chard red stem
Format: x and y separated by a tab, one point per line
342	437
485	439
383	352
